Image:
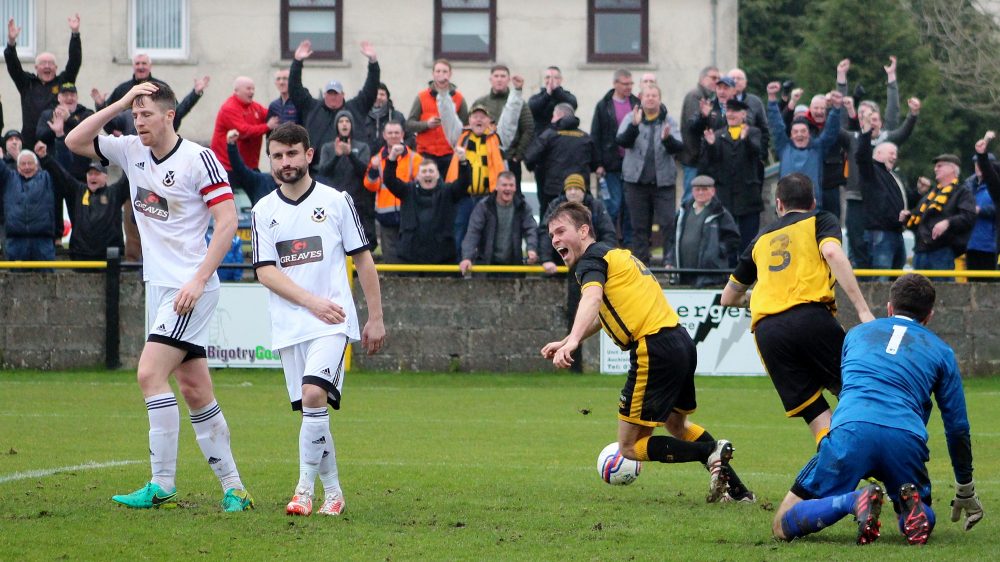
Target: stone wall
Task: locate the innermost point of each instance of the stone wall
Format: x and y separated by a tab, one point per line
56	321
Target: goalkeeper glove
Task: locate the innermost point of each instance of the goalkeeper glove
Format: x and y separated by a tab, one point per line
966	499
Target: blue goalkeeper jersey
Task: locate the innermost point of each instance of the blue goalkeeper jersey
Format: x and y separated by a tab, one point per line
890	368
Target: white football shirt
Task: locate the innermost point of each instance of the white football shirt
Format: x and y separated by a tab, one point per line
170	200
309	241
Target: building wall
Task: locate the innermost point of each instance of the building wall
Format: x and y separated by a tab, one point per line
232	37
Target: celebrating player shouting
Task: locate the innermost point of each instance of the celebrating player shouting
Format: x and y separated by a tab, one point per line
302	234
176	186
622	295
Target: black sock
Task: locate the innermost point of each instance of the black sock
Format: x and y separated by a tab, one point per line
736	486
669	449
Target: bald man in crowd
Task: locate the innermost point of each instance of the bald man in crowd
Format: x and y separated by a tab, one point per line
248	117
38	91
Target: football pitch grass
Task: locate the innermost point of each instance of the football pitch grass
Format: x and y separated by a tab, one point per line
434	467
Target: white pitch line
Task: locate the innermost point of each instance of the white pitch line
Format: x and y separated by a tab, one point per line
51	471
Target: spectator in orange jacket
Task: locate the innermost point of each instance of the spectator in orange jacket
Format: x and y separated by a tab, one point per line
386	204
248	117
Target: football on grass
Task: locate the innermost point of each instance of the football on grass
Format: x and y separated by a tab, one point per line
616	469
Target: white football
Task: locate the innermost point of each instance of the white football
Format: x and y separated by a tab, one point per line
616	469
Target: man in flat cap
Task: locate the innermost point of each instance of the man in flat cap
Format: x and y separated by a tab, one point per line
942	220
705	236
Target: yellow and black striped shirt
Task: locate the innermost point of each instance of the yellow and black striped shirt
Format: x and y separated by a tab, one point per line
633	306
786	263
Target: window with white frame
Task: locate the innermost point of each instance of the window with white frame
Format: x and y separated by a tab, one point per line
23	12
159	28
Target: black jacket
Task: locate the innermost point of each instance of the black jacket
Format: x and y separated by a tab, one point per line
37	96
604	130
431	242
542	105
604	227
375	121
96	216
321	121
734	164
480	239
991	177
346	173
561	151
719	239
883	194
74	163
959	210
255	184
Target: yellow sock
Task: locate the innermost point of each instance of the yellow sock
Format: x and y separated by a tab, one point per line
693	433
640	449
822	433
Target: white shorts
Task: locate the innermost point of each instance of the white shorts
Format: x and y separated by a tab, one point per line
320	362
188	332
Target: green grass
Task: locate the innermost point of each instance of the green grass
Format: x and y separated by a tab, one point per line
434	467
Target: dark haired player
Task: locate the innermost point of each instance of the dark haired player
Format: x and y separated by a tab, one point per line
176	187
891	366
795	264
302	234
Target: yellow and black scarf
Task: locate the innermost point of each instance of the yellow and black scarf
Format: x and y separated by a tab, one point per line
936	199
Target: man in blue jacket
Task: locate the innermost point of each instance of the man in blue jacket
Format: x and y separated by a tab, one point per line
799	152
891	366
29	210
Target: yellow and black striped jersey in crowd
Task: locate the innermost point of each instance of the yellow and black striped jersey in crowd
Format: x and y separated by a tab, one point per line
786	263
633	305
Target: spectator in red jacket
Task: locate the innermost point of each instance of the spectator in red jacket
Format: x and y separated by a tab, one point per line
248	117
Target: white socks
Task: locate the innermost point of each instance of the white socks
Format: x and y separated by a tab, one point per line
212	433
315	449
164	424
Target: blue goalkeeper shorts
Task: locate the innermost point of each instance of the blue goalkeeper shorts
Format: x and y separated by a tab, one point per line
858	450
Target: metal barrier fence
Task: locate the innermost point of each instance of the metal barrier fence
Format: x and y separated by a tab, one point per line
114	266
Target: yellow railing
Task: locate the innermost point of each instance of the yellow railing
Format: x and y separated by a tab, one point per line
53	265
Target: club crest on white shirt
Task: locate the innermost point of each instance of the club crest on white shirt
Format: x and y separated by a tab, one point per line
319	214
168	180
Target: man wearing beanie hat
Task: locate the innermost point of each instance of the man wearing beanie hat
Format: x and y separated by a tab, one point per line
575	189
12	143
704	237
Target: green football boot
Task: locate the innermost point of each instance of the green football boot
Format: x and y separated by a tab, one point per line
149	496
236	500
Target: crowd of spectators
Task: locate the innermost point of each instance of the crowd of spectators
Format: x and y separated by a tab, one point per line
442	183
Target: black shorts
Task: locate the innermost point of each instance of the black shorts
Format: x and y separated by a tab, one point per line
800	349
660	378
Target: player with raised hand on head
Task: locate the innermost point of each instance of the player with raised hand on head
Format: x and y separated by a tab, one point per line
621	295
176	187
891	366
794	263
302	234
